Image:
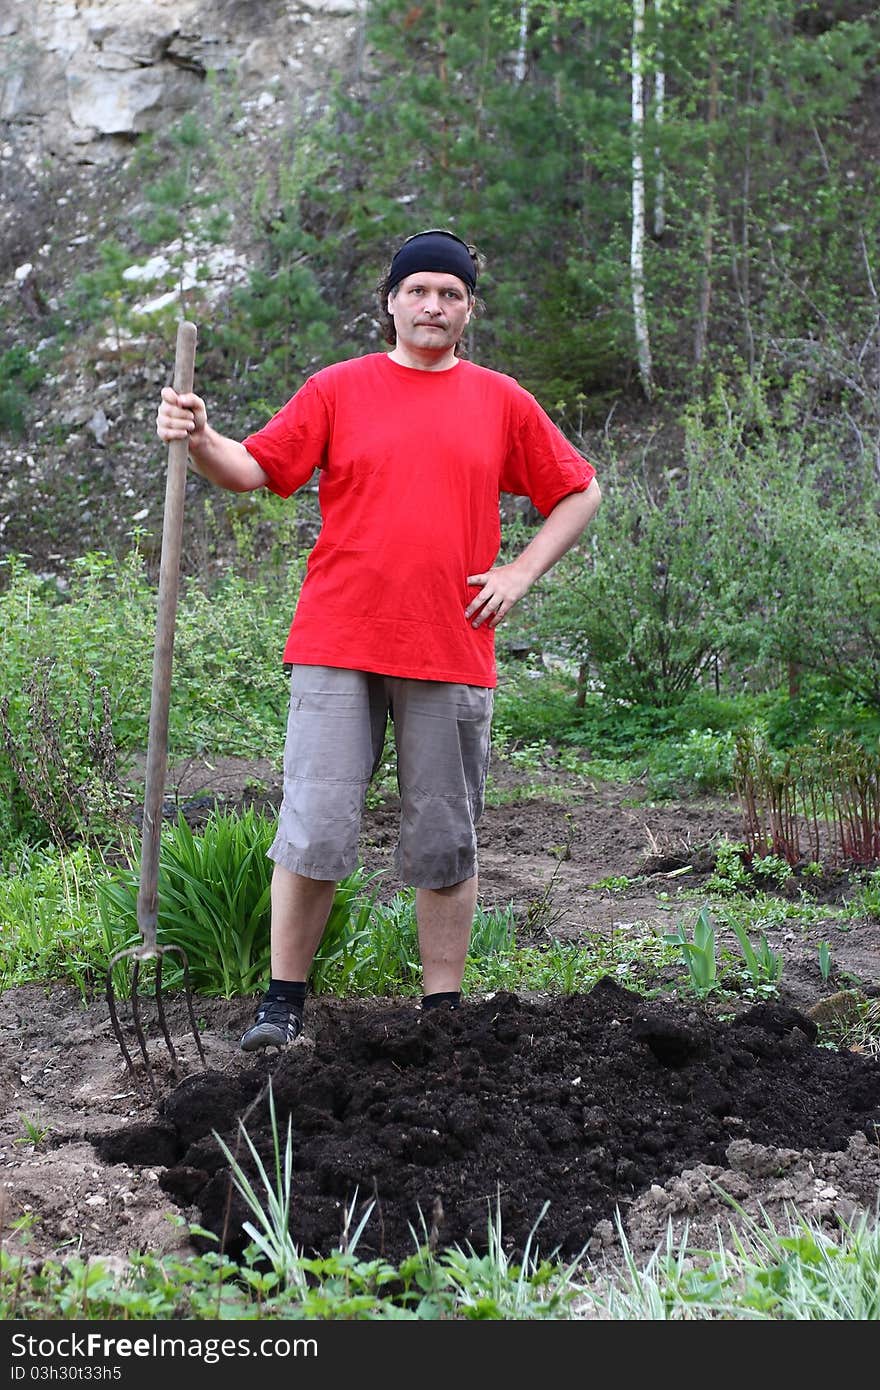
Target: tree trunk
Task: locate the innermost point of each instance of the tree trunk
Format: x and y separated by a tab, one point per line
519	71
701	332
637	246
659	104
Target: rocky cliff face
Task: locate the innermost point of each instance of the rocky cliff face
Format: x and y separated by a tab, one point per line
82	86
78	80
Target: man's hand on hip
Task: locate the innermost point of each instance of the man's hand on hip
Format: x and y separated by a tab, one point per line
501	589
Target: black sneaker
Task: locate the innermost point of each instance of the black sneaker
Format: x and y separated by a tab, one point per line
275	1025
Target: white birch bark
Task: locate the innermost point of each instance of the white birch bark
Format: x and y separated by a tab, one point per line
659	100
519	71
705	297
637	245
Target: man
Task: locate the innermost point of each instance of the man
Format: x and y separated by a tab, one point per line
399	606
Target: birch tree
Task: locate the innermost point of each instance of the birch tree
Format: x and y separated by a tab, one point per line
519	71
701	331
659	104
637	244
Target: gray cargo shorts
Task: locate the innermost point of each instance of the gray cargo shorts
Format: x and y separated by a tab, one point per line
335	737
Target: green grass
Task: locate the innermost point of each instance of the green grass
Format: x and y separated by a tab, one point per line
49	923
796	1271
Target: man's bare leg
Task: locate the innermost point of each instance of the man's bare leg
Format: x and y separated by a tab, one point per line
300	908
446	918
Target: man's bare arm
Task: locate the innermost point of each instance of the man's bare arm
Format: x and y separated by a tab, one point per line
219	459
505	585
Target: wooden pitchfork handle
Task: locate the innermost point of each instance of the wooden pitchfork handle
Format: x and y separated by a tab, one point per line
169	583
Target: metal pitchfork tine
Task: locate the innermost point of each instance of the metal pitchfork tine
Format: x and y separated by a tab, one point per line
157	746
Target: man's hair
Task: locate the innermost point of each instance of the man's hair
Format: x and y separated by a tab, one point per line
384	289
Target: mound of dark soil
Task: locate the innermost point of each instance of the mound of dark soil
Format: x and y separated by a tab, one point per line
434	1121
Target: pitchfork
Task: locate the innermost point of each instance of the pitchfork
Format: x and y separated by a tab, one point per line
157	746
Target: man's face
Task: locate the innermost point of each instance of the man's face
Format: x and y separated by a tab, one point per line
430	310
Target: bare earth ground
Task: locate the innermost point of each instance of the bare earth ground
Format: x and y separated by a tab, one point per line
582	1105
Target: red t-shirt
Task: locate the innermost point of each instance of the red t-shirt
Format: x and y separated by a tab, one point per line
411	467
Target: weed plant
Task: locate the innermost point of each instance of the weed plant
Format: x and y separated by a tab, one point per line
49	926
866	899
758	912
632	955
63	914
21	372
272	1211
855	1028
797	1270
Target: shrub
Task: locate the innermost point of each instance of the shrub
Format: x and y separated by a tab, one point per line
78	667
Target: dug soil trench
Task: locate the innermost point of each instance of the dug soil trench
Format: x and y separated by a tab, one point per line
555	1112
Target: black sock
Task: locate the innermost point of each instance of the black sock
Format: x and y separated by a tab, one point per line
292	992
436	1001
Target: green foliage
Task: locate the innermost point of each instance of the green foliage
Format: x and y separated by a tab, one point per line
21	372
230	690
101	293
13	410
373	948
854	1026
731	874
465	120
866	899
213	892
818	701
284	311
771	869
802	594
702	760
214	902
698	952
34	1134
544	720
68	695
764	966
78	667
758	912
797	1271
49	928
271	1235
644	607
351	957
493	1287
678	581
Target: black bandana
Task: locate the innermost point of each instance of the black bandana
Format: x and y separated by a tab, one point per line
442	251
